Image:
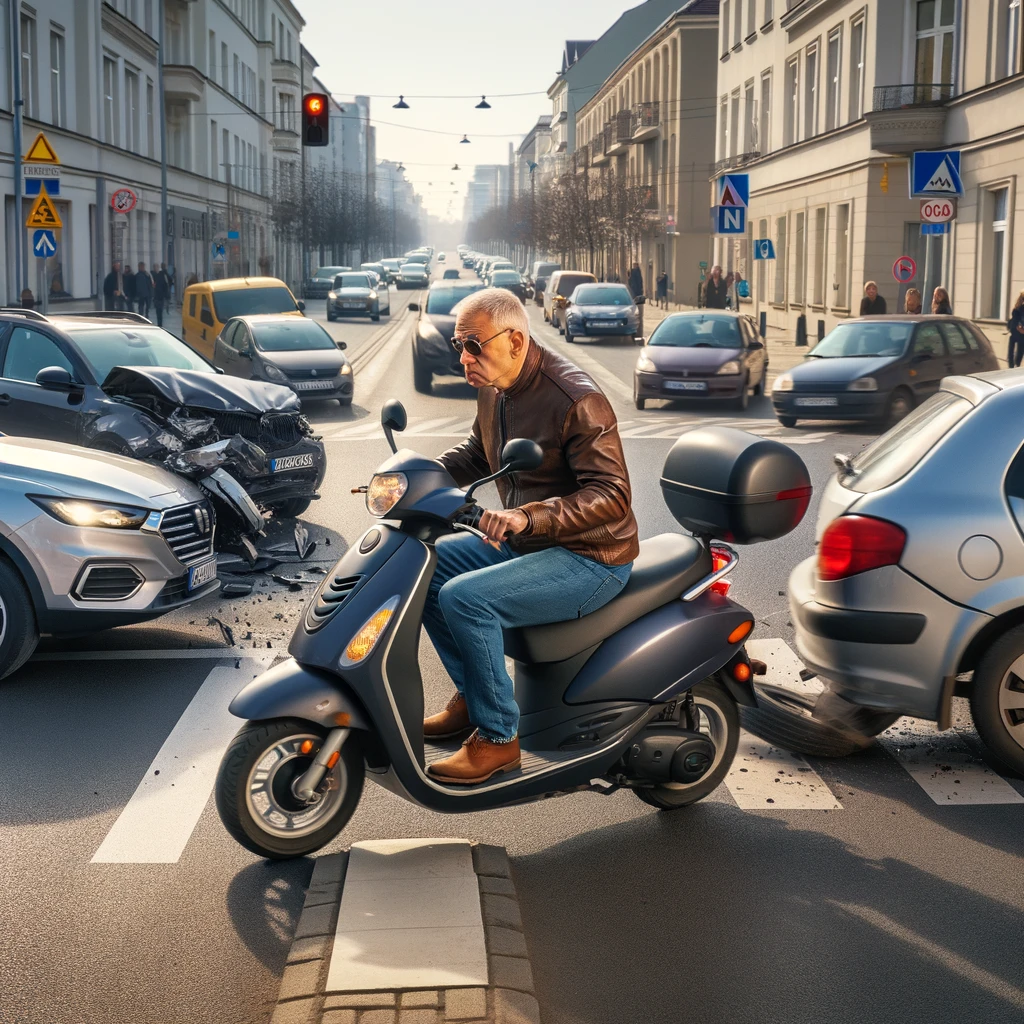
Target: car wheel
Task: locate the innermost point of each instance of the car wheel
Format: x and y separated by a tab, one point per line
546	320
375	317
292	507
997	699
901	402
569	337
639	402
345	402
18	631
759	390
743	401
330	316
787	421
422	378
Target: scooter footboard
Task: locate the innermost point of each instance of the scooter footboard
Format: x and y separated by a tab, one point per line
291	690
663	653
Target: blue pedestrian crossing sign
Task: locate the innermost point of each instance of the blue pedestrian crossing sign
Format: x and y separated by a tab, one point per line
729	220
44	243
936	174
764	249
733	190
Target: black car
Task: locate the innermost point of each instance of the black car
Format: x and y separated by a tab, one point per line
432	350
511	281
879	368
117	383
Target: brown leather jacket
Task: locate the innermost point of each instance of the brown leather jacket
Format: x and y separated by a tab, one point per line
580	496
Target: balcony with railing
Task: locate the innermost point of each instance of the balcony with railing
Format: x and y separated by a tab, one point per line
909	117
621	132
730	163
600	146
582	157
646	121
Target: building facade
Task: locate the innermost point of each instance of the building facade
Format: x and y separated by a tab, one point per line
822	104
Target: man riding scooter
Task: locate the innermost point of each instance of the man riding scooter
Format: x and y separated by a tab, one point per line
562	547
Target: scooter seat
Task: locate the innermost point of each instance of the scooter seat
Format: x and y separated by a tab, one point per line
666	566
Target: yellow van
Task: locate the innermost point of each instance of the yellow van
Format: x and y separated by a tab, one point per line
208	305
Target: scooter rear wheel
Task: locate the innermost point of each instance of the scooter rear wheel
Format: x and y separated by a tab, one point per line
719	720
254	789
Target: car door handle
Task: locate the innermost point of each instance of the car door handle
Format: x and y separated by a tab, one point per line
5	399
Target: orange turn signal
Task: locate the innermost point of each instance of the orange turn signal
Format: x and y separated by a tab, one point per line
333	759
342	719
741	671
306	746
741	632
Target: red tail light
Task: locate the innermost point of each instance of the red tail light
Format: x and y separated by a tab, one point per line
720	558
853	544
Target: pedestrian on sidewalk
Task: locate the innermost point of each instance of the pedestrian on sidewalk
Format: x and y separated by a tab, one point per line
161	293
912	302
144	288
636	281
128	288
716	291
661	291
940	302
112	288
28	300
872	304
1015	351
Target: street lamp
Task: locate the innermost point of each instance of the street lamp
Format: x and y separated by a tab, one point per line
464	140
483	104
401	104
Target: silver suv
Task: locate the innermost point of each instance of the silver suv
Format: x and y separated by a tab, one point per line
90	540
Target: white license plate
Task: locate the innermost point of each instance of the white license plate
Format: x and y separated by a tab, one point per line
817	403
353	305
686	385
291	462
201	574
313	385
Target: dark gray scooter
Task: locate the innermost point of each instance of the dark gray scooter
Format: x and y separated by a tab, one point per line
641	694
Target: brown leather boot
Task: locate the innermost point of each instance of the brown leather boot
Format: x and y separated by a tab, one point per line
476	761
453	721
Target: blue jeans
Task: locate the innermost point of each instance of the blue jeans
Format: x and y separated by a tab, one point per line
476	592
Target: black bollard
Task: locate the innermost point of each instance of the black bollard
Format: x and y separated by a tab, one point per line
821	329
763	329
801	331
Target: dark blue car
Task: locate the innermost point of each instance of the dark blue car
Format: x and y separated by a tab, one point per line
879	368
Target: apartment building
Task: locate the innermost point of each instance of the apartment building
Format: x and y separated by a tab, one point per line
649	124
822	102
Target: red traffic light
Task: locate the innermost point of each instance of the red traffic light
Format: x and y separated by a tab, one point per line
314	104
315	119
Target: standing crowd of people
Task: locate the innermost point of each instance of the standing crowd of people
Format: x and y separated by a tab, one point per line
137	291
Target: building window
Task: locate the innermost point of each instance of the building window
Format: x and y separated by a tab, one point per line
726	23
751	17
799	258
235	62
781	255
768	11
933	56
225	153
734	123
213	150
820	253
749	118
737	31
764	115
857	70
1013	22
213	56
833	71
996	212
723	127
58	99
28	66
131	111
110	101
842	279
150	119
224	65
792	99
811	92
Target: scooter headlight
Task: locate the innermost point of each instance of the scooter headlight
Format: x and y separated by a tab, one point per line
360	646
385	492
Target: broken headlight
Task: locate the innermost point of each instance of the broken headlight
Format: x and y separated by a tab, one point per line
82	512
237	451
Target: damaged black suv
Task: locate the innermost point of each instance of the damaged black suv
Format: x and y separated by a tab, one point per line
116	383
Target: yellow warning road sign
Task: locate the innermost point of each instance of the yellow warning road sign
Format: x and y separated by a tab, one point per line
41	152
43	213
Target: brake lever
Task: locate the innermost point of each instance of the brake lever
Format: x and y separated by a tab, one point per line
477	533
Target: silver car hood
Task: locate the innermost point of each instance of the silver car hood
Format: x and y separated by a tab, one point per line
52	467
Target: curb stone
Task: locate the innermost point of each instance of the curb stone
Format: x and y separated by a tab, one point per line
510	998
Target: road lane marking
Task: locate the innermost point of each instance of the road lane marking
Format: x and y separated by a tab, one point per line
156	824
765	777
409	918
944	766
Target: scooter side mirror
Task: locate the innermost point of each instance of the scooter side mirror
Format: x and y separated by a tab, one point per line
393	417
521	454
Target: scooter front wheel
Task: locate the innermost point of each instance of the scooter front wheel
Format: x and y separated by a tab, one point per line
255	788
720	722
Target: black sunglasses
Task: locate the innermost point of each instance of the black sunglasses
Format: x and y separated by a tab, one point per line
472	344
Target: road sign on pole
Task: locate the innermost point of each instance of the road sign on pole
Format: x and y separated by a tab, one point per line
729	220
904	269
764	249
938	211
44	243
733	190
43	214
41	152
935	229
936	174
123	200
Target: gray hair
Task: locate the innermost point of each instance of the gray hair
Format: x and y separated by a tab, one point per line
499	305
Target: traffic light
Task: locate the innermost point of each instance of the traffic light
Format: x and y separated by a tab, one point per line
315	120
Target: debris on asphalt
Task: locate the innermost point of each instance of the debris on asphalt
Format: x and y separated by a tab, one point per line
238	589
225	630
291	582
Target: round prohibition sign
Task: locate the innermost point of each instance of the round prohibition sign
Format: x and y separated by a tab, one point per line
904	269
123	200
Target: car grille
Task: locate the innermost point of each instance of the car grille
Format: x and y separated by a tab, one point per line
107	583
188	530
270	432
174	591
330	599
692	375
311	375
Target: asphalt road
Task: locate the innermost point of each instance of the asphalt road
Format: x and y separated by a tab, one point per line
890	906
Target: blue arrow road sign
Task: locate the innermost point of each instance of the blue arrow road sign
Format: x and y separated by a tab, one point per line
936	174
763	249
729	220
734	190
44	243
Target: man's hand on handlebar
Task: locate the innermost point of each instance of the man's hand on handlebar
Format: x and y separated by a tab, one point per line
499	526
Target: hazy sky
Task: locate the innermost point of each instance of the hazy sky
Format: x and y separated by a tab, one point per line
448	48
